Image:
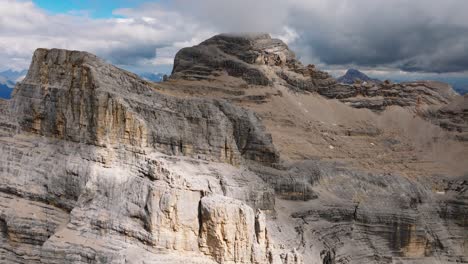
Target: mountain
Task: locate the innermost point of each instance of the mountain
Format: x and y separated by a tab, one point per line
5	91
353	75
13	75
461	89
153	77
244	155
8	80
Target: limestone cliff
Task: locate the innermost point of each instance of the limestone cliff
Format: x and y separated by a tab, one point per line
97	166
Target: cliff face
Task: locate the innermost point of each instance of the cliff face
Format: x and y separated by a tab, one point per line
452	117
238	158
86	176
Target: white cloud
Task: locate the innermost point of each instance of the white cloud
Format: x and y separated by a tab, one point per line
130	41
416	35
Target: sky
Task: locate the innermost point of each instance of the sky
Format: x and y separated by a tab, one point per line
419	39
92	8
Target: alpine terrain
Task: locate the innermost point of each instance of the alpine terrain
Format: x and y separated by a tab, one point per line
243	155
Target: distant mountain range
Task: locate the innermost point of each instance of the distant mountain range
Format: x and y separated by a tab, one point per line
353	75
14	75
153	77
8	80
461	90
5	91
459	84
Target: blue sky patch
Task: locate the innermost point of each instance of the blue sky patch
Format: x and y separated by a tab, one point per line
92	8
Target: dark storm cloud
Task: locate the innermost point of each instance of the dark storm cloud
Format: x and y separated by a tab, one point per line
423	36
130	54
416	45
441	48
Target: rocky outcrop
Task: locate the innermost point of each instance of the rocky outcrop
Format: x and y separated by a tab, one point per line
452	117
379	96
231	232
256	58
230	53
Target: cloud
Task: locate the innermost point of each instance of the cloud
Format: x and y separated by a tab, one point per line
236	16
414	36
410	35
130	41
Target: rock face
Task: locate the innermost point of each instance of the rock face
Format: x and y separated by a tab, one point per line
358	221
231	232
257	59
452	117
100	166
380	96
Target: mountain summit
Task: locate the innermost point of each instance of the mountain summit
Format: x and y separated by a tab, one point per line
353	75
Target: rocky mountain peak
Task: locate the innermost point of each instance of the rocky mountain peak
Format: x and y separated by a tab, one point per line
257	59
253	48
353	75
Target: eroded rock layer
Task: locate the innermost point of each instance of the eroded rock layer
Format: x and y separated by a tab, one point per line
452	117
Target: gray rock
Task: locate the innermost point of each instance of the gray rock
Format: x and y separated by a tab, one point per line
452	117
242	56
